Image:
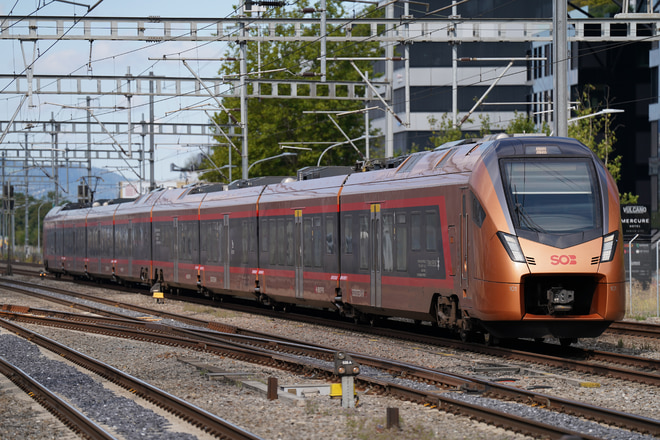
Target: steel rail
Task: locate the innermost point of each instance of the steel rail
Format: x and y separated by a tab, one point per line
558	360
402	369
635	329
70	416
499	418
191	413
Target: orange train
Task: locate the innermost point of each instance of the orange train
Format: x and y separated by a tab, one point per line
506	237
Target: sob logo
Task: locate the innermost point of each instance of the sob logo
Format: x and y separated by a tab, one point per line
563	260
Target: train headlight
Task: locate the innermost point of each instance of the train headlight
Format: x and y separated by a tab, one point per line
609	247
512	246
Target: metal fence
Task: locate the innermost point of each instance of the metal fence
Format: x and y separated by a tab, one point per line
642	276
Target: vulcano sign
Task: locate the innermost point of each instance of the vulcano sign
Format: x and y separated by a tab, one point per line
635	219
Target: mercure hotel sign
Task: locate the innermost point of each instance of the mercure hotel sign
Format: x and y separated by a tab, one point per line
635	219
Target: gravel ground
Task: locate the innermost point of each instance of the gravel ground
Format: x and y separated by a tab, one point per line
316	417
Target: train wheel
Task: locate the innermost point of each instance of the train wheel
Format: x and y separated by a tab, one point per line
566	342
464	335
491	340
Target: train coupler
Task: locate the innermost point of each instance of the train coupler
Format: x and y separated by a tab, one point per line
560	300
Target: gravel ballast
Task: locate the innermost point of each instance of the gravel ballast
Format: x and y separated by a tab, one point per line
316	417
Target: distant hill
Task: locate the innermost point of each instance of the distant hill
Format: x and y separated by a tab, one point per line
105	185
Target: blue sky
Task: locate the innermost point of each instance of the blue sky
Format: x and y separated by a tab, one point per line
112	58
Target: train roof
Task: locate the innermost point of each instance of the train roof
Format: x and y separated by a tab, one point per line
453	157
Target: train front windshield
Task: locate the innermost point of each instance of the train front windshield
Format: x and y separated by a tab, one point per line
552	195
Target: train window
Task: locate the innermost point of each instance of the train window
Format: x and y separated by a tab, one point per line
364	242
245	231
181	233
263	235
71	241
80	239
348	235
119	240
172	240
289	242
204	244
329	235
187	248
192	240
253	235
478	213
432	224
317	240
388	242
401	242
281	257
130	239
272	242
415	231
106	238
157	235
221	255
307	242
552	195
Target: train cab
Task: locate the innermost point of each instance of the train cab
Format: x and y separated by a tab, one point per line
545	231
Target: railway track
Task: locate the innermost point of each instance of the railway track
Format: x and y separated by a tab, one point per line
640	329
287	355
60	408
597	362
193	415
629	328
236	341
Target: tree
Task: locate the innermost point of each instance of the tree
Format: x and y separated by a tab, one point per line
444	130
274	121
598	134
522	123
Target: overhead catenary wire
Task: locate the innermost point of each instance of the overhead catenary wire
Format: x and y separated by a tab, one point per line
197	46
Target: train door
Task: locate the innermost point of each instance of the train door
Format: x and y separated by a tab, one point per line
225	247
177	235
98	247
59	243
129	248
298	252
376	266
465	244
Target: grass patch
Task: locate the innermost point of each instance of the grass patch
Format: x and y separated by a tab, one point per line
213	311
644	301
369	429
